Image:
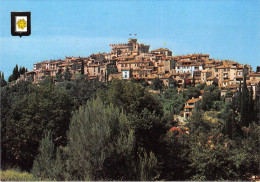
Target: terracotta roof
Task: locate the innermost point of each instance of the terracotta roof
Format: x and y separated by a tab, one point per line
233	86
94	65
160	73
222	67
240	67
145	69
132	61
196	64
239	77
175	74
210	78
188	107
55	62
255	75
209	66
160	49
184	61
209	62
193	100
204	71
175	129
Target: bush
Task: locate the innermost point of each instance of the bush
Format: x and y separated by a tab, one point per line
14	175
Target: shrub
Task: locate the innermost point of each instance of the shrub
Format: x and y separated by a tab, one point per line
14	175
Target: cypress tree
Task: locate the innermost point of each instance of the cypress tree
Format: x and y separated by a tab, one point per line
82	67
2	79
108	74
251	105
105	76
239	97
193	80
244	110
22	70
16	72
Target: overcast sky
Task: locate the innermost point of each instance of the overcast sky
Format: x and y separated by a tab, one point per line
224	29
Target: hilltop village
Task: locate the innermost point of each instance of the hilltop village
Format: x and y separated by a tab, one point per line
152	115
133	60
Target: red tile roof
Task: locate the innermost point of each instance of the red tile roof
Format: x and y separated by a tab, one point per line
193	100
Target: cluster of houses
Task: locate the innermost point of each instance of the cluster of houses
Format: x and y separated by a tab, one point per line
133	60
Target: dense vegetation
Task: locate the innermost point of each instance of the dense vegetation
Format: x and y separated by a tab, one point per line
16	175
81	129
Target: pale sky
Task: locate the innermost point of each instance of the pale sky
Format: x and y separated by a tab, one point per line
224	29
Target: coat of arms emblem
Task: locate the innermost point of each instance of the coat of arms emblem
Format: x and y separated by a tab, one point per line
21	23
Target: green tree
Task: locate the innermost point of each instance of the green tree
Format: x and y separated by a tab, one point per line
201	86
22	70
59	76
100	144
208	153
175	163
41	109
244	109
231	127
173	82
2	79
251	107
172	101
16	73
148	166
67	75
229	94
81	89
191	92
143	82
193	80
132	97
82	68
44	162
210	95
157	84
238	102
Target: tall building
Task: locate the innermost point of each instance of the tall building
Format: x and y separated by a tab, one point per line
130	48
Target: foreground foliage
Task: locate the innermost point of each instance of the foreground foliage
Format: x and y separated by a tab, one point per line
14	175
85	130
